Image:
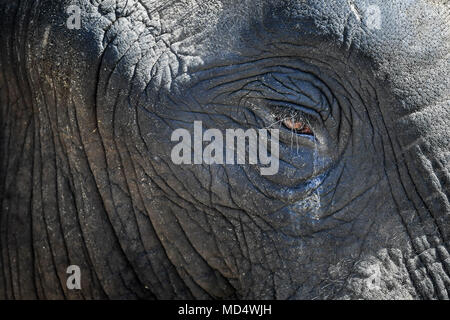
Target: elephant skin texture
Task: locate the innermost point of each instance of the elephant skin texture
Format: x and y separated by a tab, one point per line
358	208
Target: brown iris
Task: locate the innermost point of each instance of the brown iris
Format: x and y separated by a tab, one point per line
297	126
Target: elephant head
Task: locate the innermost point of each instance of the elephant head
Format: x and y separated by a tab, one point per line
91	93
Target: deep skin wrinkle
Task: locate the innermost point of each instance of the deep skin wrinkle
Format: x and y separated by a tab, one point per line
358	210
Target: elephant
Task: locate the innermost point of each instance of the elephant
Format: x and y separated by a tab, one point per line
92	91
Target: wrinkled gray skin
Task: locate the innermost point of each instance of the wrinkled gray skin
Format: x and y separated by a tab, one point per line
86	176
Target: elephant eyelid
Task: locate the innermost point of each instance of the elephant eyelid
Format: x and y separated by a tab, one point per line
289	109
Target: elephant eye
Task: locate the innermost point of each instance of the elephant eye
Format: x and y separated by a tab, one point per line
298	127
295	121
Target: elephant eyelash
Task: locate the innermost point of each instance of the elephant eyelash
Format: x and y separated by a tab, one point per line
292	120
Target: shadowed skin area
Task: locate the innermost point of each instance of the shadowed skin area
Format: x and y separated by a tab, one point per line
358	210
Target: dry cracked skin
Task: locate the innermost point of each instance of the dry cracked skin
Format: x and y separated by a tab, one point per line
359	91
